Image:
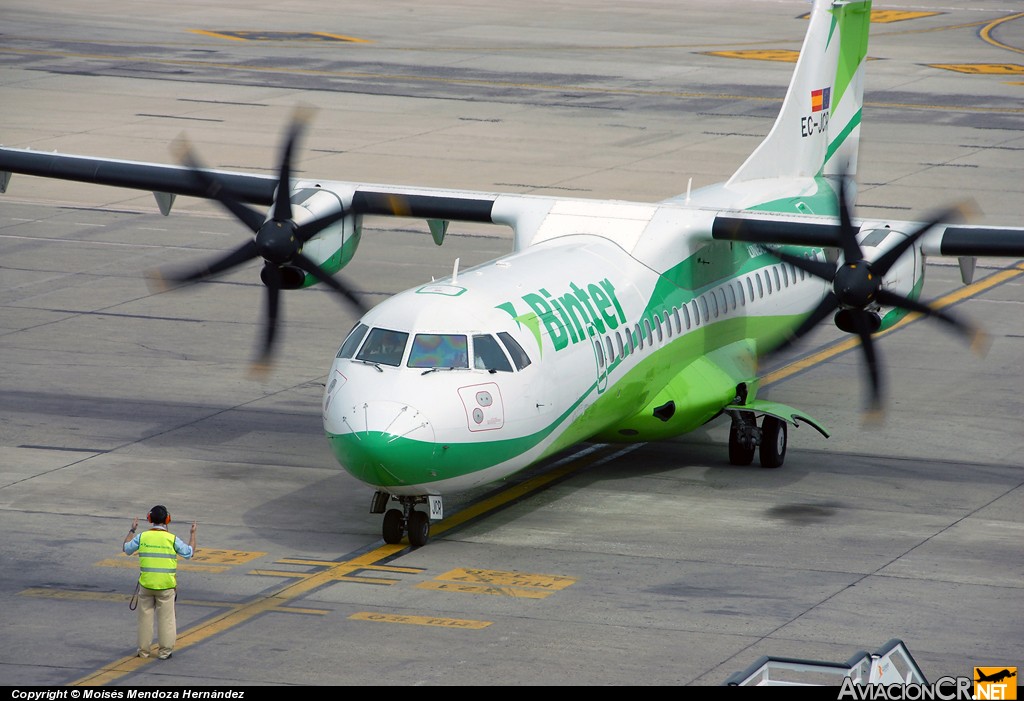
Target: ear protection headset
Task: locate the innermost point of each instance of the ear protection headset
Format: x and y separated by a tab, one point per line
159	510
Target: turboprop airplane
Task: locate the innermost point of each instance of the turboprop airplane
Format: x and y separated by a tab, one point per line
608	321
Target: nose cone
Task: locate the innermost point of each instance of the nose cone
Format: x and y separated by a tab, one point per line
383	443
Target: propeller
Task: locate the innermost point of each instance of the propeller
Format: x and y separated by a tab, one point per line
278	240
856	286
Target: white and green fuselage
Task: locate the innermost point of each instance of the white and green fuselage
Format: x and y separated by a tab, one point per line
637	327
638	324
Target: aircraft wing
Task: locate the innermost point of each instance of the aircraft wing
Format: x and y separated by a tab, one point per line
944	239
960	240
167	179
163	179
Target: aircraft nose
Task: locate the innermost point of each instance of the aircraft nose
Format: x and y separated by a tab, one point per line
384	443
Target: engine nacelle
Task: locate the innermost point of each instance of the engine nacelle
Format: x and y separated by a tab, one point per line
332	248
904	278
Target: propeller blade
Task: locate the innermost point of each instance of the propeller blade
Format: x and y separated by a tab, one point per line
272	276
863	326
827	305
316	271
309	230
977	338
889	258
248	216
161	280
283	202
847	232
817	268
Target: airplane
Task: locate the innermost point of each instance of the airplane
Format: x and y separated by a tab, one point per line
996	676
608	321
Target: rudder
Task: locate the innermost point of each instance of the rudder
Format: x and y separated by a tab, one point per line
817	131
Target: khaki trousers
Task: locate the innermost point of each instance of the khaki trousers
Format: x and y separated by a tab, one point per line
162	601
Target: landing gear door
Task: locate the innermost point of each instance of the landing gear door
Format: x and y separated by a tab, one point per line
435	507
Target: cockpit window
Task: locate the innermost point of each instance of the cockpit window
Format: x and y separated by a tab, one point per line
434	350
487	355
384	347
348	348
519	356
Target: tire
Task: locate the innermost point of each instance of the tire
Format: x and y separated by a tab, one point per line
773	442
419	528
392	527
739	454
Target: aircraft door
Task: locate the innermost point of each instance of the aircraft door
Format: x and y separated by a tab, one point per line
601	361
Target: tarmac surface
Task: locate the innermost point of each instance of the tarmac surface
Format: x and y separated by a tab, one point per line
657	564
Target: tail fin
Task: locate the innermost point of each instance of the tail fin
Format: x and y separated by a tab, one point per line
818	129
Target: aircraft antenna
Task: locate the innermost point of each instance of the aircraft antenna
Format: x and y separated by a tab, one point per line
689	184
455	272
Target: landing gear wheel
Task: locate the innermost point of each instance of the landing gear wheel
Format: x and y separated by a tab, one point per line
419	528
739	452
393	527
773	442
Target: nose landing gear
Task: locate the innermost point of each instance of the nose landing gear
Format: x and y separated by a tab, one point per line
399	522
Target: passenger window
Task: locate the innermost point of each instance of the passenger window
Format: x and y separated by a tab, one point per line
785	275
750	289
629	343
609	349
760	287
618	344
675	317
704	309
348	348
657	329
435	350
599	349
775	271
768	281
686	316
384	347
519	356
639	337
714	304
487	355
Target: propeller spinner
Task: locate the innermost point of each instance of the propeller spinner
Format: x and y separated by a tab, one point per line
856	286
278	240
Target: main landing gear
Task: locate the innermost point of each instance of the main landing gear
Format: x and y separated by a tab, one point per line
746	438
399	522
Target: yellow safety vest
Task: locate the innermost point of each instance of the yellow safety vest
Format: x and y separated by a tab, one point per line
158	563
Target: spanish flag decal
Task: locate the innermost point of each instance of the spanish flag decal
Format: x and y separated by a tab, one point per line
820	99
